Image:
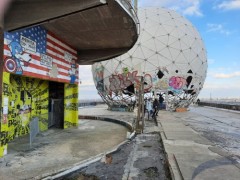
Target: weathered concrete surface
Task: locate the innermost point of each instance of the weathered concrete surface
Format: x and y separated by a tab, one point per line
142	158
101	111
189	152
59	149
225	105
222	127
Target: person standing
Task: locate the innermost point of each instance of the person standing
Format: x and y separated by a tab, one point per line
149	107
155	107
198	101
161	99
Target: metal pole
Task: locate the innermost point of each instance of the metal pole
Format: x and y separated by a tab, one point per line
142	103
136	5
138	112
139	122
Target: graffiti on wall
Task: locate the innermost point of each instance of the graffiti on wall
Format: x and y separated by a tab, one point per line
176	83
35	52
147	82
70	105
124	80
24	98
99	72
4	123
19	58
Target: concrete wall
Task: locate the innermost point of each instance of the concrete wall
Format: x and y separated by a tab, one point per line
23	99
25	86
221	105
70	105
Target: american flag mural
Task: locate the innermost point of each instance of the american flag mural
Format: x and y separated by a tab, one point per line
35	52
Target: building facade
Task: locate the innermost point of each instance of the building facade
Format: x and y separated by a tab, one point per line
40	80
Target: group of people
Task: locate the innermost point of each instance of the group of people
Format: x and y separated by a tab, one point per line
155	106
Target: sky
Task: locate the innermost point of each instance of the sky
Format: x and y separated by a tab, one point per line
218	22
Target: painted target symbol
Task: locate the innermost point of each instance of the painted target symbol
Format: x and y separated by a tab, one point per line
10	65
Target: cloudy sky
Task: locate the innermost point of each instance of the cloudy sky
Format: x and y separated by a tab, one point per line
218	22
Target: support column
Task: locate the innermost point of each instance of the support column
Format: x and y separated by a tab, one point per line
2	151
136	5
139	127
1	56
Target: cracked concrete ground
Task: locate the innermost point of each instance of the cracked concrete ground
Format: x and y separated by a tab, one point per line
58	149
142	158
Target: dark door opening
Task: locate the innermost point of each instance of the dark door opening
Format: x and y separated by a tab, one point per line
56	105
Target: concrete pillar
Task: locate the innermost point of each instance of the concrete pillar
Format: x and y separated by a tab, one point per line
2	152
4	5
1	59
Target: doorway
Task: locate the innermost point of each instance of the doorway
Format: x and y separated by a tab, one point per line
56	105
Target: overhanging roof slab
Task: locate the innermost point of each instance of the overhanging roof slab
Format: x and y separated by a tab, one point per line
97	29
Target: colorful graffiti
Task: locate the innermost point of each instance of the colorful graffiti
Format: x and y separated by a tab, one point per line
23	99
35	52
72	73
29	98
99	79
19	58
177	82
124	80
147	82
70	105
162	84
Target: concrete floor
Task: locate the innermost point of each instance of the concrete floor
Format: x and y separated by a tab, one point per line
220	127
57	149
190	154
194	156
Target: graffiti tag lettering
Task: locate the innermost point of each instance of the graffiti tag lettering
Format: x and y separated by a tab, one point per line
177	82
122	81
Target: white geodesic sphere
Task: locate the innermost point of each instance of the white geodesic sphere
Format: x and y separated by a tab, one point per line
169	54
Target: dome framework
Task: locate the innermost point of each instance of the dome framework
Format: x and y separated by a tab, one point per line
169	55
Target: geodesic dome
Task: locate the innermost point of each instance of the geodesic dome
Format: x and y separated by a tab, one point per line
169	55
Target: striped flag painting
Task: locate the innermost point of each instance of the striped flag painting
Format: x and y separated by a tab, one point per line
35	52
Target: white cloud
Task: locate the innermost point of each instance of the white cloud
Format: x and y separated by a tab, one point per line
193	9
229	5
215	84
85	75
86	82
211	61
87	87
220	88
186	7
217	28
226	76
88	93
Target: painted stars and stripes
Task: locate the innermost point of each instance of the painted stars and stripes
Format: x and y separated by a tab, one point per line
36	34
51	59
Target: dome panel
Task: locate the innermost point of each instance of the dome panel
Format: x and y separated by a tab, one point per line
169	54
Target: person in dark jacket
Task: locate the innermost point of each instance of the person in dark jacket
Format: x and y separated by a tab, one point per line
155	107
198	102
161	99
